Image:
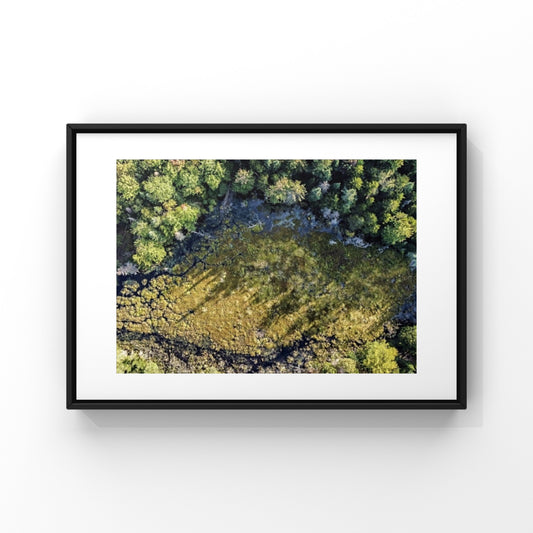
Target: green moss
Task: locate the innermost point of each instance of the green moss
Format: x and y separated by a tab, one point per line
135	363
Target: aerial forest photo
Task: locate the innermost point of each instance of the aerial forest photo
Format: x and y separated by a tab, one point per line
266	266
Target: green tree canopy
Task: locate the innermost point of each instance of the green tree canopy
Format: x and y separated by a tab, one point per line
407	339
371	199
286	191
379	357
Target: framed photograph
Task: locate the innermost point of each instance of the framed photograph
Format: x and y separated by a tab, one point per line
318	266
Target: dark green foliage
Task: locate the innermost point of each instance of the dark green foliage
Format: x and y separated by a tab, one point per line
159	202
315	194
407	340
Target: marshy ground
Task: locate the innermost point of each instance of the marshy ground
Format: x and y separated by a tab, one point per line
261	290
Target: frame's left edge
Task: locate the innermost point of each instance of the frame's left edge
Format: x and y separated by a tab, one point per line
71	267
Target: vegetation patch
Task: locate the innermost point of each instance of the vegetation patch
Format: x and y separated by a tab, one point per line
277	297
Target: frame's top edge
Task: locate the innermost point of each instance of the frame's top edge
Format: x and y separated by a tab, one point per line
267	128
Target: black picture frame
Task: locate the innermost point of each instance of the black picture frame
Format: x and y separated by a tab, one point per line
459	402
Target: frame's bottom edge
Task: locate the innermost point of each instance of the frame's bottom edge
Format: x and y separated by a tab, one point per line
266	404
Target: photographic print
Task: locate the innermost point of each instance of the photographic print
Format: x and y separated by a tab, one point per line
266	266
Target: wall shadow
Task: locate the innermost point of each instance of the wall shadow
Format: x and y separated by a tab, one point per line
313	419
360	419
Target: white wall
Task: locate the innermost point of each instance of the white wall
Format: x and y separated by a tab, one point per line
277	61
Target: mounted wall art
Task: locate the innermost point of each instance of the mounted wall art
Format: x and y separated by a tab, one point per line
266	266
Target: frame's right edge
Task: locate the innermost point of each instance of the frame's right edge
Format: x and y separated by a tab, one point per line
461	267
